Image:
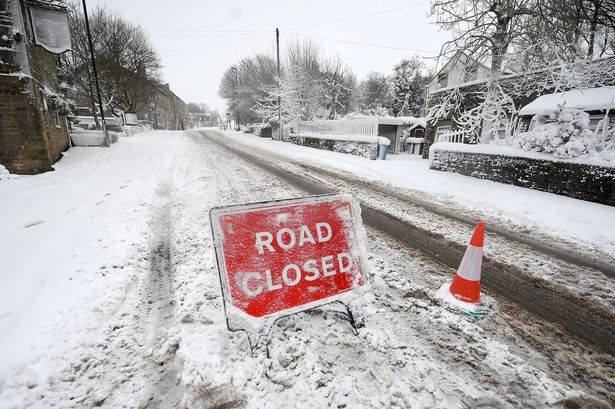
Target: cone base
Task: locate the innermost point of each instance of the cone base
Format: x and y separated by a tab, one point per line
444	294
465	290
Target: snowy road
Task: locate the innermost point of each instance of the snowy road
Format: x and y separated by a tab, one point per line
387	210
112	299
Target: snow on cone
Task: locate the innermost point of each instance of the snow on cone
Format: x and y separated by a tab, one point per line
464	291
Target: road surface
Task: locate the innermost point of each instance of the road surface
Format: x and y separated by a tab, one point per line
147	327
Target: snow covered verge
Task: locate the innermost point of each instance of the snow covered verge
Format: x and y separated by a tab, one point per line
588	225
71	250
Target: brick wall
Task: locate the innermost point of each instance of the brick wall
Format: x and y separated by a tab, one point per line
586	182
32	138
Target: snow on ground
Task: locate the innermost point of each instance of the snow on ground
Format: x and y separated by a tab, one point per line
590	224
67	249
110	297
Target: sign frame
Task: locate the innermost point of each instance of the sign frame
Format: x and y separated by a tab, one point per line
38	35
258	328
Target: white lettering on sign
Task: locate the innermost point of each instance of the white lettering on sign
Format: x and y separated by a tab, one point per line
252	283
287	238
264	238
245	286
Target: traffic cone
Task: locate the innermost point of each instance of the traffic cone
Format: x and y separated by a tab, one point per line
464	291
466	284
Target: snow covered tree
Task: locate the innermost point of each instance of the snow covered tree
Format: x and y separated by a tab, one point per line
243	84
569	29
484	29
408	87
376	93
300	87
339	86
127	62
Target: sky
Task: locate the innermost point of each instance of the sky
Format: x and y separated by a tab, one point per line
197	40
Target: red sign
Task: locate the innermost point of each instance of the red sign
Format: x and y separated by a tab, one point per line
287	256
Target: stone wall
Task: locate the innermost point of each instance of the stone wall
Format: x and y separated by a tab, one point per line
32	137
586	182
364	149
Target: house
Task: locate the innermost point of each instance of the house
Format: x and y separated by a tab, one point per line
519	86
599	103
460	69
33	109
397	129
165	109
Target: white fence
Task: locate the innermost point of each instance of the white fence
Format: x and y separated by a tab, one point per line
455	137
366	126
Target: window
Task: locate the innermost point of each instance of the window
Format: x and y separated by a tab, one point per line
56	118
442	130
44	100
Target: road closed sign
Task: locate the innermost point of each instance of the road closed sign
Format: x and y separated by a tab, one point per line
282	257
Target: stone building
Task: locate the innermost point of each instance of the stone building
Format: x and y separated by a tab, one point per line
33	126
165	110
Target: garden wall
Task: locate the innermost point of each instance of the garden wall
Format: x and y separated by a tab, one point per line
365	146
581	181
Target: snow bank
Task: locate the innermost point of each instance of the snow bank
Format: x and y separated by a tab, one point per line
67	248
5	174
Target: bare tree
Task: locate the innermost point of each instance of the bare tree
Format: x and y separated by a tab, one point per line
482	28
243	84
339	86
128	64
376	92
571	29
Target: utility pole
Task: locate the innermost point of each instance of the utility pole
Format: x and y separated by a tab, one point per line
277	46
95	72
237	127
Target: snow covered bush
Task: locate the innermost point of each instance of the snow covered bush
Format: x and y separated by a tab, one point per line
565	134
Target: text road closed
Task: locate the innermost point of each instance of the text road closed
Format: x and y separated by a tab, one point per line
288	254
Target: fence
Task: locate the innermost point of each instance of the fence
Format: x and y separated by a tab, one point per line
366	126
455	137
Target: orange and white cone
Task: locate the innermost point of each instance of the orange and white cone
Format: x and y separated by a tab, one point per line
465	288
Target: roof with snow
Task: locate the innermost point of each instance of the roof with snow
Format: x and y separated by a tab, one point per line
384	120
402	120
589	99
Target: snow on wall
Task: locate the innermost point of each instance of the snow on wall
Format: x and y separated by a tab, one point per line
364	146
517	153
577	180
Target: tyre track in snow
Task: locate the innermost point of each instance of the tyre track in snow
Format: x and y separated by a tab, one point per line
577	316
161	391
